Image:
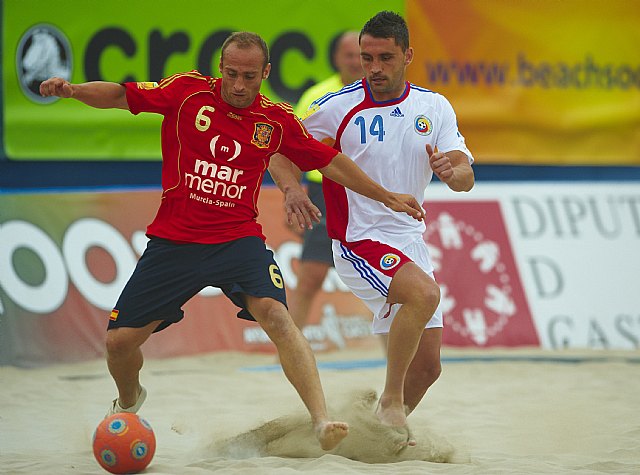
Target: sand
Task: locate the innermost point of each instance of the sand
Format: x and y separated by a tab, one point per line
494	412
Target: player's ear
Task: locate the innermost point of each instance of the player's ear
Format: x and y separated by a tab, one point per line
408	56
266	71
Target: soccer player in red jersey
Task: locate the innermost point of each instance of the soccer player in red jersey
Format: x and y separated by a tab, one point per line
218	135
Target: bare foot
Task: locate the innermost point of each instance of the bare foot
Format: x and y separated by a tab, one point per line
391	414
412	440
395	416
330	434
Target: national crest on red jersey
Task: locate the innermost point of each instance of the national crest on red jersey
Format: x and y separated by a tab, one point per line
262	134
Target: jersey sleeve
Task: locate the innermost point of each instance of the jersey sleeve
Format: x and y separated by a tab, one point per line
319	123
449	137
151	96
302	149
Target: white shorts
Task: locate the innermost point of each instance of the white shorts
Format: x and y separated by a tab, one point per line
366	271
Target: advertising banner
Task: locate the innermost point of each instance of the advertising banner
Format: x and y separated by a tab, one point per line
65	257
146	41
545	265
535	81
482	297
576	248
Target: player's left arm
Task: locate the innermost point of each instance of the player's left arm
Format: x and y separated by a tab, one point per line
452	168
345	172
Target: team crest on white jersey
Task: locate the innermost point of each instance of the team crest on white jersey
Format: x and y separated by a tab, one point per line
389	261
423	125
262	134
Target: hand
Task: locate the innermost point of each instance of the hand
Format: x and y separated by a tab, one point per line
406	204
440	164
56	87
298	204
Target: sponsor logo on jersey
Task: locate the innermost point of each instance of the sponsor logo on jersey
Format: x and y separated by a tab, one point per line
389	261
114	315
147	85
224	149
214	179
396	113
423	125
262	135
43	52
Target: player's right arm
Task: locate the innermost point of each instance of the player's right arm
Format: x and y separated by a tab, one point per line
287	176
98	94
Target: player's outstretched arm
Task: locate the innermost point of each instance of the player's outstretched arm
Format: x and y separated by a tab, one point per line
98	94
296	202
452	168
344	171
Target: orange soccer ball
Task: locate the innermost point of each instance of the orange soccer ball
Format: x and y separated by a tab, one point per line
124	443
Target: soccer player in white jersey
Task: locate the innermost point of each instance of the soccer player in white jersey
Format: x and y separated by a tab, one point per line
400	135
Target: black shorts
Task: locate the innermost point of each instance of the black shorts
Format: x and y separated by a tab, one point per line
168	274
317	244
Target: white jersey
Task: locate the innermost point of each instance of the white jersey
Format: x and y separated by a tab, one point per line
388	141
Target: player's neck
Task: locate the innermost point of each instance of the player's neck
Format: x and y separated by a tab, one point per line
386	96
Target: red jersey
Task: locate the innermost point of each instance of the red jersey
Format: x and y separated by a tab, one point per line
214	156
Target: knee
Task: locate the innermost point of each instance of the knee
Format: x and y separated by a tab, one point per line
432	374
427	296
276	321
428	374
118	343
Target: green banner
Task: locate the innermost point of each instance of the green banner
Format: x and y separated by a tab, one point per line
120	41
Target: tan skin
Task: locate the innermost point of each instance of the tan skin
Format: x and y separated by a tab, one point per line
413	352
243	71
242	75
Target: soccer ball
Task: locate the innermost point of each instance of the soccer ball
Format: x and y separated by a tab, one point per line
124	443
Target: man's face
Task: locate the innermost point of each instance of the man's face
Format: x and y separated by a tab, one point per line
242	74
347	58
384	66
